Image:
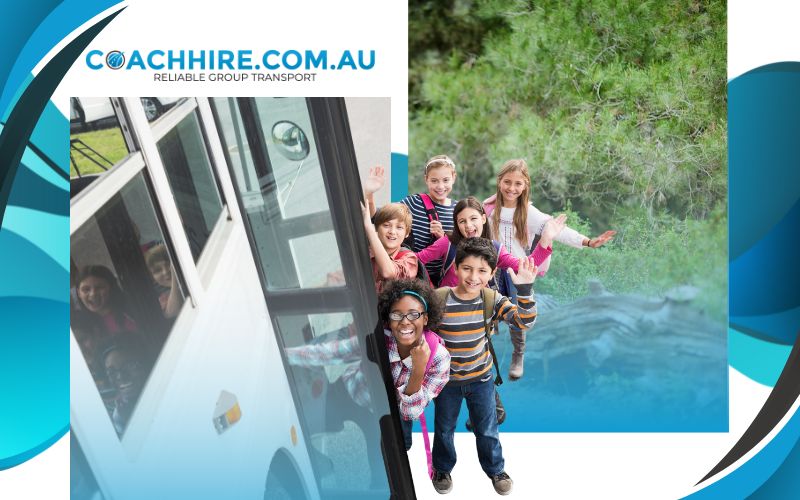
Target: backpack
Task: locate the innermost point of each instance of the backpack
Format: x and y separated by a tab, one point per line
489	297
430	210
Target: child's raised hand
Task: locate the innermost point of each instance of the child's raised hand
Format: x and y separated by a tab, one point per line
601	240
420	354
367	219
437	230
375	180
526	274
552	228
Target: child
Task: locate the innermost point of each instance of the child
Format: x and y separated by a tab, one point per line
410	310
98	317
127	366
464	331
99	307
386	234
516	225
432	222
160	267
471	222
518	222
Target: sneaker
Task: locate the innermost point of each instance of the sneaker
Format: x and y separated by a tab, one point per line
516	369
442	482
502	483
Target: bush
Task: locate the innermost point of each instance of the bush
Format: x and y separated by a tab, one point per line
613	103
648	256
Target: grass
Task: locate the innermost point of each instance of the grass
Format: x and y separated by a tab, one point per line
107	142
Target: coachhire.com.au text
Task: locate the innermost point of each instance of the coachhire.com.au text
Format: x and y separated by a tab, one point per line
233	60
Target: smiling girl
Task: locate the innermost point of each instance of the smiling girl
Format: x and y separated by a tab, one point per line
516	225
432	222
518	222
471	222
100	304
410	310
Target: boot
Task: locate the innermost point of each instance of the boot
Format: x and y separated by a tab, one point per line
516	368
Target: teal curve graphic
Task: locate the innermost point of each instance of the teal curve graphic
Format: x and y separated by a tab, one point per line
31	30
34	252
759	360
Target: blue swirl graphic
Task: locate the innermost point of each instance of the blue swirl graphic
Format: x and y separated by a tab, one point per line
764	124
34	237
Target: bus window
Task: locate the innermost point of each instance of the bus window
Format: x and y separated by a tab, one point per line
325	361
292	189
125	294
97	142
292	152
188	168
156	107
237	149
316	308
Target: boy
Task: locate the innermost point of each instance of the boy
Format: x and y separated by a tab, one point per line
463	331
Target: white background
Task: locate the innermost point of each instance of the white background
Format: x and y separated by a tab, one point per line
542	465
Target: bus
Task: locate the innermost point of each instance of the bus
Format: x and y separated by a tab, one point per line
212	269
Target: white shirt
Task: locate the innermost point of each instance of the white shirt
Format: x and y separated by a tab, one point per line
536	222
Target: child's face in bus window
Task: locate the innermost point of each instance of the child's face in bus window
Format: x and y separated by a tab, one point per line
94	294
408	332
473	275
470	222
512	185
161	271
392	233
125	373
440	182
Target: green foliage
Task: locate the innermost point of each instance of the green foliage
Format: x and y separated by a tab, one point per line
612	103
618	107
648	256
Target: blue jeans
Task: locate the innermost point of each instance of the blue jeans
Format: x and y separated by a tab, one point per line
406	426
481	408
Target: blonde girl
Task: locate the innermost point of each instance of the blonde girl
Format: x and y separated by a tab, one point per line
432	212
516	225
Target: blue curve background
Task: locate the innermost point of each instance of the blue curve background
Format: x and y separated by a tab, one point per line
34	239
764	271
764	110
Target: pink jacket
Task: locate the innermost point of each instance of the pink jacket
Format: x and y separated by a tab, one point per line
505	260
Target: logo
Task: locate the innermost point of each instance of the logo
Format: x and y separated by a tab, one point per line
115	59
233	60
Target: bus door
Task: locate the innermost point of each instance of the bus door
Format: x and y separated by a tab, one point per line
297	184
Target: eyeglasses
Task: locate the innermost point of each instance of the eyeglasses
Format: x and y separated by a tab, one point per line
412	316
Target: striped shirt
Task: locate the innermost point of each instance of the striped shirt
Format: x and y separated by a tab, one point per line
421	228
462	330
